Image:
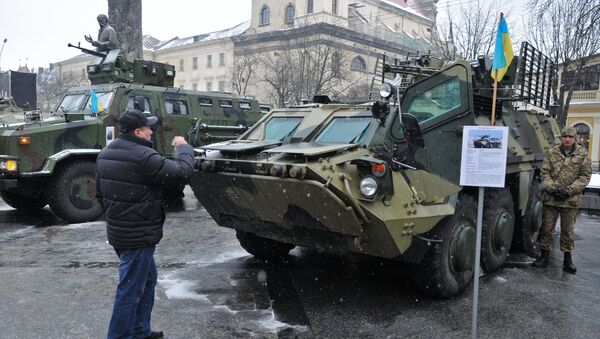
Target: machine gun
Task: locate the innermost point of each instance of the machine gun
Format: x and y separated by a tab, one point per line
88	51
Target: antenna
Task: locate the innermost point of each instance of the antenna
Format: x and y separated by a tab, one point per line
1	50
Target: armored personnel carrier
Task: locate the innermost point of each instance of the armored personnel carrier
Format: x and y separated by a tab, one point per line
52	160
382	178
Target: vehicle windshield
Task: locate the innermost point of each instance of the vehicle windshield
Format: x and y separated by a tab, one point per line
72	103
279	128
104	101
436	101
345	130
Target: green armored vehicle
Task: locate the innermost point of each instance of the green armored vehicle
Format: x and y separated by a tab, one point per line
52	160
374	179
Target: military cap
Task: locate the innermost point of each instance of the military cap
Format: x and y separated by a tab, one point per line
570	131
132	119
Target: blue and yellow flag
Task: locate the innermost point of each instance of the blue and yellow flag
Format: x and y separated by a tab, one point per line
94	103
503	54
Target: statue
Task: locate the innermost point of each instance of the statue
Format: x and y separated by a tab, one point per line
107	36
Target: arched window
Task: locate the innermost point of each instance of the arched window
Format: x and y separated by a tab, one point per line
264	16
334	6
583	134
358	64
289	14
310	6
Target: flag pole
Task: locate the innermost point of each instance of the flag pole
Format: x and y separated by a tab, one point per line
493	121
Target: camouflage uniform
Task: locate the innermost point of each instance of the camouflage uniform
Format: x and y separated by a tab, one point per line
571	172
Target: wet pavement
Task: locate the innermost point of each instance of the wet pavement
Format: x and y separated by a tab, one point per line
57	281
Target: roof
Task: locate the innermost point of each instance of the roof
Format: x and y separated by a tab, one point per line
226	33
410	6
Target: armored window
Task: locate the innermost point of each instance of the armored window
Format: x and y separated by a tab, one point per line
345	130
279	128
131	104
209	86
209	61
226	103
264	16
104	101
289	14
358	64
195	63
176	107
334	6
265	109
205	102
310	6
436	101
221	59
583	135
181	64
245	105
221	86
72	103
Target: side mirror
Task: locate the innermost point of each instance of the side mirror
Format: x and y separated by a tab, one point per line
380	110
412	131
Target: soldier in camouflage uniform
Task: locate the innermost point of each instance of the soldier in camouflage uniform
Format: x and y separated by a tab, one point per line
566	171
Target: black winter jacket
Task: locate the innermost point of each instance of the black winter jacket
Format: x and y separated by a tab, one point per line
129	180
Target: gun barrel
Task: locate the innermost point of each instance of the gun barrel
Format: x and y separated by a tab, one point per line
88	51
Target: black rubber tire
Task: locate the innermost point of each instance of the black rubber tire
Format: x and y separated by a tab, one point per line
528	230
262	248
72	192
498	206
437	274
32	203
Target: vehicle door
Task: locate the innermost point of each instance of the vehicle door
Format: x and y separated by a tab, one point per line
175	120
442	105
142	101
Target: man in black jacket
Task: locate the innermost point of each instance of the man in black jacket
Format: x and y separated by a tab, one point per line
130	175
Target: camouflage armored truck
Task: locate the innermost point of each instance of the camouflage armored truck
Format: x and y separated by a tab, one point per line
377	180
52	161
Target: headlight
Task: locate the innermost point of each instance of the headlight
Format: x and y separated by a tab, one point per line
386	90
277	171
368	187
9	165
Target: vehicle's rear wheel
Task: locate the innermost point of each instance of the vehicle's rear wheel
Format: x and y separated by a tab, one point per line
447	268
72	192
262	248
498	227
33	202
526	235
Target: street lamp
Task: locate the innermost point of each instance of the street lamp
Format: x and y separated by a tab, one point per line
2	49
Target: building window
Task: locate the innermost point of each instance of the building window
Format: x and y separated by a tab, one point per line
195	86
289	14
310	7
221	86
181	64
221	59
209	86
264	16
195	63
334	6
358	64
209	61
583	134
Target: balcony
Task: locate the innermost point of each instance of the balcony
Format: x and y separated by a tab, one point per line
586	97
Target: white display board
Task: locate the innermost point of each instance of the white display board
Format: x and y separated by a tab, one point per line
483	159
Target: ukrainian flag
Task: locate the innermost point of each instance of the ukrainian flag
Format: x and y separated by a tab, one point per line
503	54
94	103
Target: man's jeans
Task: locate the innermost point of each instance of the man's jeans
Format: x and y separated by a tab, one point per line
135	294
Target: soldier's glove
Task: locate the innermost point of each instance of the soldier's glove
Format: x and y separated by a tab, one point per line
560	194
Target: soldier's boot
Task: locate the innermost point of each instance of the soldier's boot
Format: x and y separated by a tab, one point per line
568	265
543	260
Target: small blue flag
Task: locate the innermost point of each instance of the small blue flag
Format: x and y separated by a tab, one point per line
94	103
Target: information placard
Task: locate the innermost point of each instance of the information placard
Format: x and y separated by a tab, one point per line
483	160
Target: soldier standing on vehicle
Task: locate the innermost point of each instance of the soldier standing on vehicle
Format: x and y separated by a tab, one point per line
107	37
130	176
566	171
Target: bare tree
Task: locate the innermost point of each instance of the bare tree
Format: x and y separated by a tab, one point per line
468	31
53	85
126	18
567	31
244	71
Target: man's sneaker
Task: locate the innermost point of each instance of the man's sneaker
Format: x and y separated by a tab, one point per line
155	335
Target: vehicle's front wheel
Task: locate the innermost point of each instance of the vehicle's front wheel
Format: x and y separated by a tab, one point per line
72	192
262	248
498	227
33	202
447	268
